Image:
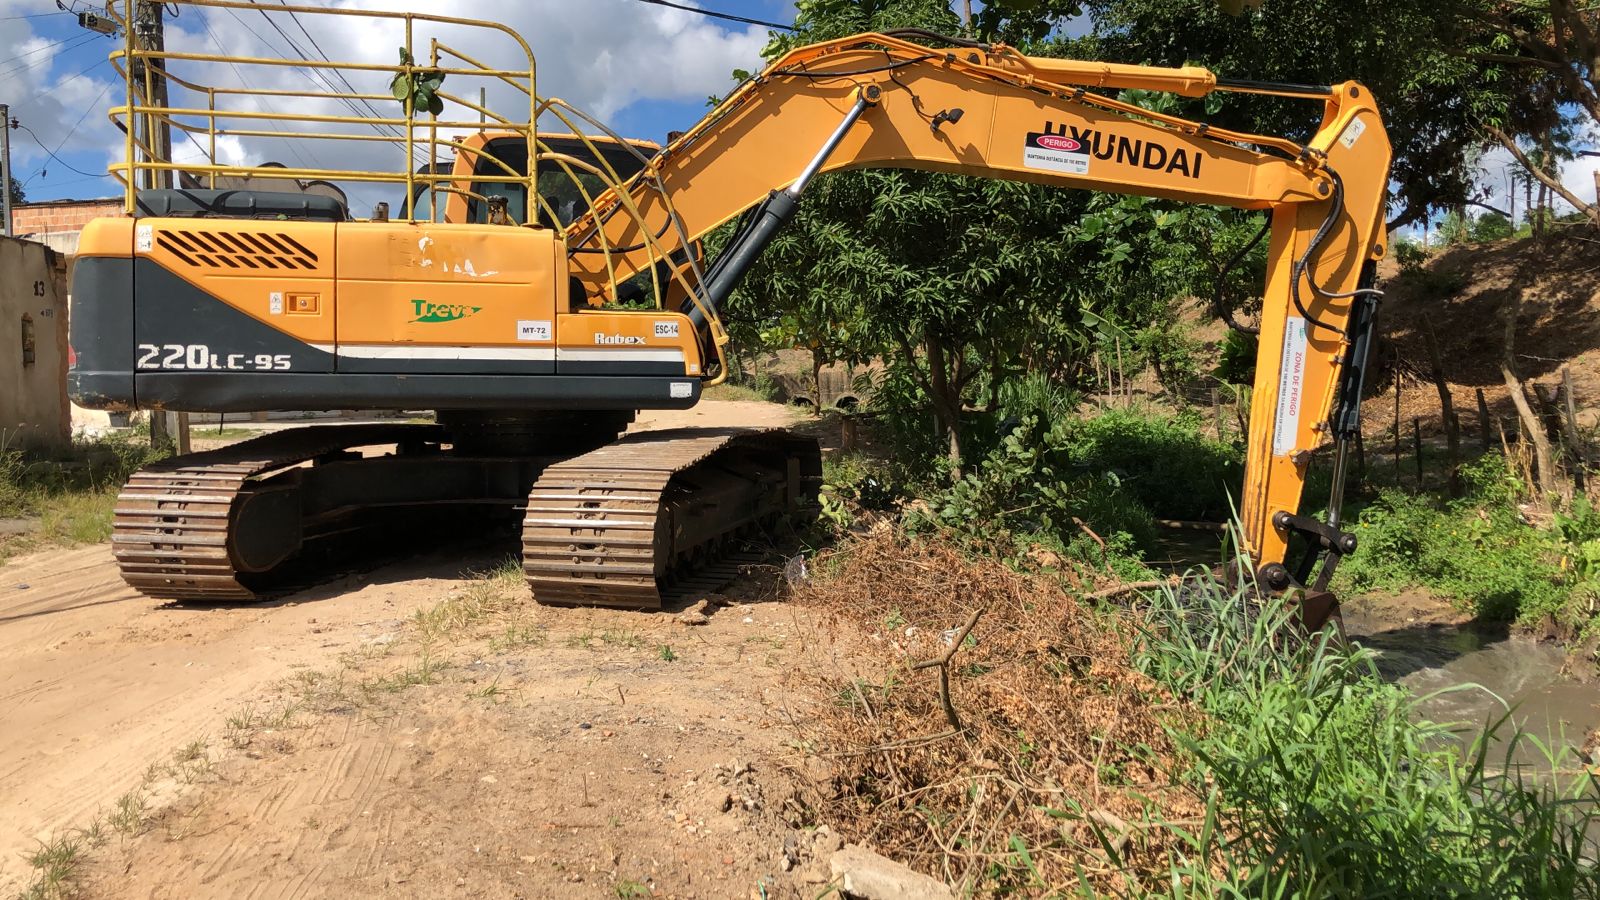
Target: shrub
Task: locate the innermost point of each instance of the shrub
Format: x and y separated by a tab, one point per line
1477	551
1320	779
1163	460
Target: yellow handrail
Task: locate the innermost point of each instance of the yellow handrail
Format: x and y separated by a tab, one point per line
188	94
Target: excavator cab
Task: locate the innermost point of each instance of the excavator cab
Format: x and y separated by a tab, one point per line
564	195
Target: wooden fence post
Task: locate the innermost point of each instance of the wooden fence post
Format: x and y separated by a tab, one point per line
1447	411
1483	420
1397	429
1416	442
1580	455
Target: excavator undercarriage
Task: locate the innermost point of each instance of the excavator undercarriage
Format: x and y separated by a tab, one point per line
603	521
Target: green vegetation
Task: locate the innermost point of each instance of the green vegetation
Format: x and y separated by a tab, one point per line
1481	552
1195	745
1319	779
71	493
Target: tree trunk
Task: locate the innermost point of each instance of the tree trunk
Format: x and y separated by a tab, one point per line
816	379
1452	433
946	396
1532	428
996	372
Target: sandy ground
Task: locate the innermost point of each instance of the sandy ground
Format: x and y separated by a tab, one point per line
97	683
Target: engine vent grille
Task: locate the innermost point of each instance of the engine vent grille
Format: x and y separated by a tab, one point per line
237	249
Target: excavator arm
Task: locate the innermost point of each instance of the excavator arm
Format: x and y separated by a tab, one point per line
883	100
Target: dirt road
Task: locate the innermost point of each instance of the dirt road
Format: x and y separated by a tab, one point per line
97	683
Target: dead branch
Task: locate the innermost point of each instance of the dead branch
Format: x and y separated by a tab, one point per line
1124	588
943	664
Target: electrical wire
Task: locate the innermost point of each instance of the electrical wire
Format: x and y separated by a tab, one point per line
53	12
206	24
316	75
712	14
55	157
90	107
366	104
81	40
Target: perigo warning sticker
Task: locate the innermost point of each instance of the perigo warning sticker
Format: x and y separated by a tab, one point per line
1056	153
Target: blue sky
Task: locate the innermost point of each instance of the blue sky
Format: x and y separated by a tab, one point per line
642	69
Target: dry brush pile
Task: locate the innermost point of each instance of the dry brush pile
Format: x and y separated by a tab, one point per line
985	726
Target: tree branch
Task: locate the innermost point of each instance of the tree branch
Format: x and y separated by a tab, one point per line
943	664
1544	178
1494	209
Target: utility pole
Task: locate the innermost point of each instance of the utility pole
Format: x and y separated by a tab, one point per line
167	429
5	164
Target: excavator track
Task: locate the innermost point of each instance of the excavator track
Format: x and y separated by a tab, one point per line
621	525
175	527
614	526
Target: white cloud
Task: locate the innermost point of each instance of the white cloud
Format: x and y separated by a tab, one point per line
600	55
46	94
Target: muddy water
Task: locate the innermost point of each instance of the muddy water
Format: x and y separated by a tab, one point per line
1431	657
1425	645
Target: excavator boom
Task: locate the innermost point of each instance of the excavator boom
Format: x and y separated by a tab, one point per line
988	111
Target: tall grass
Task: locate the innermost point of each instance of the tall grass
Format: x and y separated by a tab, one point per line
1320	779
71	491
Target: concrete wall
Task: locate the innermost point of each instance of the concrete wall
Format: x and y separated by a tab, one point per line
33	317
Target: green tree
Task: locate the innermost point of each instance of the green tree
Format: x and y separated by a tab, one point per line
1414	55
17	194
963	284
1491	226
1551	48
1453	230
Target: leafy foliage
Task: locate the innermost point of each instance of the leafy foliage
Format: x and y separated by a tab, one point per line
1051	478
1476	550
1410	53
417	90
1320	779
962	284
1490	226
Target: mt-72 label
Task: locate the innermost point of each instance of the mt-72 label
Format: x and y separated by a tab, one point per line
192	357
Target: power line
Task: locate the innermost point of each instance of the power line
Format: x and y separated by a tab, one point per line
319	82
324	76
205	23
294	17
86	110
54	156
53	12
718	15
81	40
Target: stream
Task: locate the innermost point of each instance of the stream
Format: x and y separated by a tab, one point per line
1426	646
1430	657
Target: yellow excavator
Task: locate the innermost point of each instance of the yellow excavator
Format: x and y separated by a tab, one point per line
536	290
